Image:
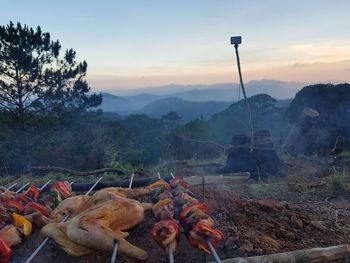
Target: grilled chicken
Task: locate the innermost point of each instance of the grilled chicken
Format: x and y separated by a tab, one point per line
68	206
6	195
10	235
98	221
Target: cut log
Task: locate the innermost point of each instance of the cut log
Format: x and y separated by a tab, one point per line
214	179
140	182
314	255
48	169
261	163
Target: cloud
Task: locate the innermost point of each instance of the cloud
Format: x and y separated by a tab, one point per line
307	64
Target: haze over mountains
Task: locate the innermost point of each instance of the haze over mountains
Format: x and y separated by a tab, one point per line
191	101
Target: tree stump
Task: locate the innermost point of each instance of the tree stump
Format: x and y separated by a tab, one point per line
262	162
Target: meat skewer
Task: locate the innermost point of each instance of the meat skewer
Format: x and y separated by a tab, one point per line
21	210
195	220
37	250
116	242
171	255
166	229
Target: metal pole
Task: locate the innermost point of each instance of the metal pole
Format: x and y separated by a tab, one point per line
212	249
11	186
171	255
92	187
43	187
20	189
115	251
37	250
250	122
116	242
131	180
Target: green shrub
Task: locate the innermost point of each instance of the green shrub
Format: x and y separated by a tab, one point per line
337	180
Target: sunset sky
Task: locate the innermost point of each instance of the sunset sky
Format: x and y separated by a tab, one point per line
130	44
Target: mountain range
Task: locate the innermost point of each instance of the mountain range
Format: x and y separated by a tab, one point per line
191	101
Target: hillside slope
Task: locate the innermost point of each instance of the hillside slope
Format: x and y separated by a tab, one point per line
188	110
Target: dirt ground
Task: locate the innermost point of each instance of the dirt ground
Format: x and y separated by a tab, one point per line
299	210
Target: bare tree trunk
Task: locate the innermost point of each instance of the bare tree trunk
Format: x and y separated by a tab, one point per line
23	143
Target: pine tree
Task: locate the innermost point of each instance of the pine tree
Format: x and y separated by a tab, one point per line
37	80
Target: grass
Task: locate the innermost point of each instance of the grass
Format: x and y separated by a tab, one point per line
337	180
346	157
268	189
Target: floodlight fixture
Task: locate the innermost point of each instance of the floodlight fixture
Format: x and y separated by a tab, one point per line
236	40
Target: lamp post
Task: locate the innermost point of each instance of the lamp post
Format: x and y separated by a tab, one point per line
236	40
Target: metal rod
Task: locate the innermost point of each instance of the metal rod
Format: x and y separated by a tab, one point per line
131	180
92	187
43	187
116	242
172	175
250	121
115	251
213	251
171	255
20	189
158	175
11	186
37	250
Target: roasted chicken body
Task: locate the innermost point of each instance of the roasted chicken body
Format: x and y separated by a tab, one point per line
98	221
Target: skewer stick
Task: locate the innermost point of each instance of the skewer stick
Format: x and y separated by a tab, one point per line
116	242
213	251
171	255
37	250
115	251
92	187
172	175
158	175
131	180
43	187
8	188
20	189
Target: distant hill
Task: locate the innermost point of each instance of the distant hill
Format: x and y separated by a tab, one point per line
188	110
219	92
266	115
193	101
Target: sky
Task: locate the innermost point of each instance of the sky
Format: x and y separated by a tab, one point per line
136	43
